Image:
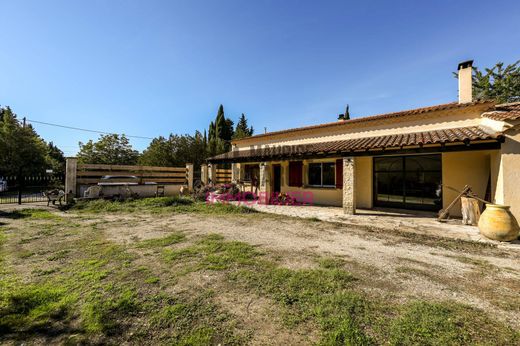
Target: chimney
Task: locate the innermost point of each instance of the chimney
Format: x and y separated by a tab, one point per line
465	81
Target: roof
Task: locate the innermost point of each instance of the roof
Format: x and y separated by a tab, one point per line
344	123
445	136
504	111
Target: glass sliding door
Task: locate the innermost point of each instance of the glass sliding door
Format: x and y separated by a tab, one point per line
411	182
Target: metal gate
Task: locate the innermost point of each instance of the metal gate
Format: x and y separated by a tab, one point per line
28	189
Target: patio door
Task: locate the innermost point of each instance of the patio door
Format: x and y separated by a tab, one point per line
409	182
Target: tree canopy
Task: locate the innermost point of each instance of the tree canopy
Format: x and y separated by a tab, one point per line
220	133
242	130
109	149
499	83
22	151
175	151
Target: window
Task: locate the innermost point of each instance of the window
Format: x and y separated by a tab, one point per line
251	171
322	174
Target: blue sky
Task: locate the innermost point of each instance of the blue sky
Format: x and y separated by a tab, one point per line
149	68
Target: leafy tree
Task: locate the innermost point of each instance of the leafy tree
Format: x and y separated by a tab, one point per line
22	151
498	83
220	133
55	158
175	151
242	130
109	149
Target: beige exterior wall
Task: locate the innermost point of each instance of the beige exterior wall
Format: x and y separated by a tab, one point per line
327	196
471	168
474	168
319	195
507	166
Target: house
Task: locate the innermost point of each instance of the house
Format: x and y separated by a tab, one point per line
412	159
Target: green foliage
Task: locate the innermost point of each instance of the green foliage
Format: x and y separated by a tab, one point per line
56	159
22	151
175	151
220	133
110	149
242	130
499	83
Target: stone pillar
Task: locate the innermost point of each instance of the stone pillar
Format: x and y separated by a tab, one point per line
235	173
71	168
264	191
212	173
349	186
204	173
189	176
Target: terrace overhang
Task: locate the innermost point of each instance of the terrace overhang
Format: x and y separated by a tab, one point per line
444	140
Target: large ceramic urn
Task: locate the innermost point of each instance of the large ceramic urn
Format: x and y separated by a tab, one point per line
497	223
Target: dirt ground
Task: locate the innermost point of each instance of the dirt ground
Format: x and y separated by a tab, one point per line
400	264
396	265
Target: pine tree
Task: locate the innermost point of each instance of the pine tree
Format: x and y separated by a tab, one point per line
220	133
499	83
242	130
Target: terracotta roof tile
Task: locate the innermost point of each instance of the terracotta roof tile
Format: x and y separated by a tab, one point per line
441	107
455	135
505	111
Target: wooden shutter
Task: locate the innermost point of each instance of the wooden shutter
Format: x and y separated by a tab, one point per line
339	173
295	173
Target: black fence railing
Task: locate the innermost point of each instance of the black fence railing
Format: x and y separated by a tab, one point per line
28	189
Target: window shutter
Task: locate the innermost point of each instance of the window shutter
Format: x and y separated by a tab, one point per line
295	173
339	173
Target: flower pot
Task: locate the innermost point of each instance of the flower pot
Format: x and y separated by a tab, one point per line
497	223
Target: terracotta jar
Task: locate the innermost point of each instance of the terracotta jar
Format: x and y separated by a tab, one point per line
497	223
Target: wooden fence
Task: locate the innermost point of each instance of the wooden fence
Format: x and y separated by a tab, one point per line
92	173
79	177
223	176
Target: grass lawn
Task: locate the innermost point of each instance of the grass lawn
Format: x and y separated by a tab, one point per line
64	278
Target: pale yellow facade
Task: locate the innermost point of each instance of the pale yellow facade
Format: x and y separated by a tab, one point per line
489	163
492	173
